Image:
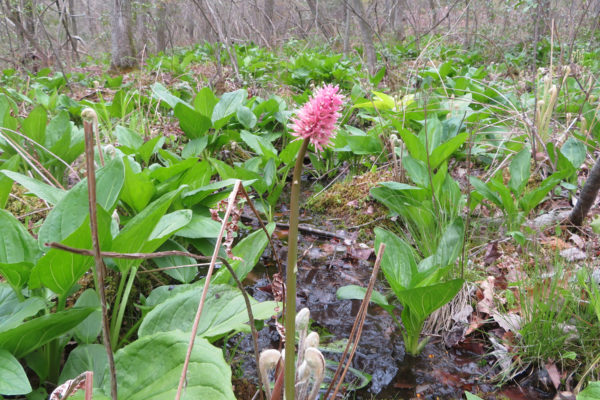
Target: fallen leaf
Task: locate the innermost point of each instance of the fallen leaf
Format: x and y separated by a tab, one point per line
553	374
573	254
491	253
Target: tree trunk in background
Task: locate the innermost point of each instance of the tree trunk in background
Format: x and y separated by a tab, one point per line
396	21
365	33
161	27
347	21
122	49
314	10
73	20
587	197
269	11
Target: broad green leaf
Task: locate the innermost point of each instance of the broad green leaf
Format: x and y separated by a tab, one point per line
471	396
16	274
135	236
574	150
137	189
508	203
205	101
170	223
591	392
192	122
227	106
13	380
482	189
16	244
446	149
184	274
89	329
398	262
14	311
164	173
150	147
73	208
249	250
422	301
416	171
194	147
35	333
531	199
354	292
6	182
200	226
288	154
58	130
208	377
224	311
259	144
246	117
162	93
128	138
195	196
431	134
86	357
34	126
414	146
42	190
520	171
59	270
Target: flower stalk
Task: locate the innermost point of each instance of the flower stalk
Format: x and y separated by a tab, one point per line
315	123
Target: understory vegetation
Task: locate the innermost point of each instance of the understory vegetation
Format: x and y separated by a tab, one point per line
464	163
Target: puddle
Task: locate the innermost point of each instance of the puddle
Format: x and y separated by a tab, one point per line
324	266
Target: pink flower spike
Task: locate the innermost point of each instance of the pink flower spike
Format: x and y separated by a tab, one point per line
317	118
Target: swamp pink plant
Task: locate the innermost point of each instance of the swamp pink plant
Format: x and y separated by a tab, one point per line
315	123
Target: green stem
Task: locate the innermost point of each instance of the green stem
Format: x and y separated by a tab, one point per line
122	306
62	303
117	303
290	282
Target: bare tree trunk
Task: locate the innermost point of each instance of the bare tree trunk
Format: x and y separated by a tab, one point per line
73	20
269	14
587	197
314	10
122	48
161	26
347	21
365	32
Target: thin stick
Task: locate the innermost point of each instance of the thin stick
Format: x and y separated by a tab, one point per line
357	327
91	181
213	260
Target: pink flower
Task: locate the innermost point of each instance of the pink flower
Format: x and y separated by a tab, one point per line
317	118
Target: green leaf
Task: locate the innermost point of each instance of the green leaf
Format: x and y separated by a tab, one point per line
205	101
194	147
18	251
531	199
591	392
227	106
446	149
128	138
259	144
471	396
249	250
34	126
354	292
184	274
162	93
224	311
431	134
136	236
192	122
289	153
137	189
414	146
86	357
89	329
14	311
200	226
6	182
398	263
73	208
42	190
246	117
13	380
163	173
35	333
150	147
208	377
58	130
595	224
59	270
574	150
519	171
483	190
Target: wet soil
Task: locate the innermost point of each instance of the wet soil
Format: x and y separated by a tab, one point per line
437	373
